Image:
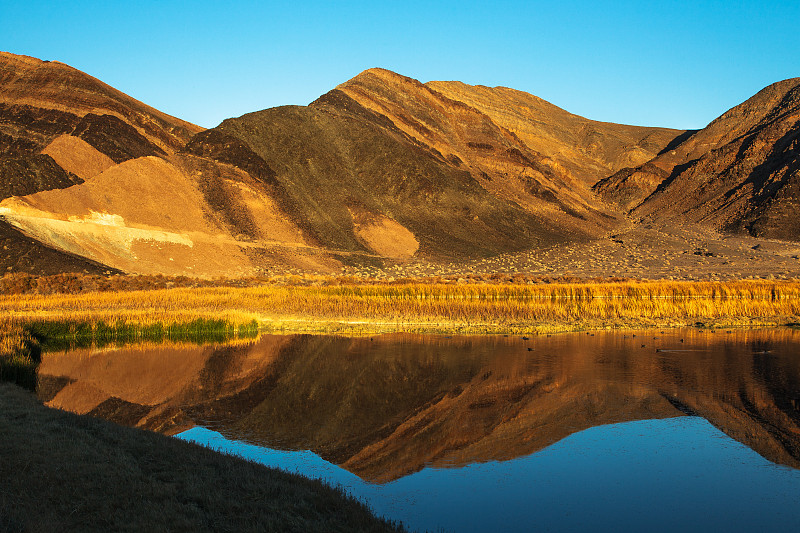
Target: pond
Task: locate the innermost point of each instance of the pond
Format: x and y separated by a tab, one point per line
686	429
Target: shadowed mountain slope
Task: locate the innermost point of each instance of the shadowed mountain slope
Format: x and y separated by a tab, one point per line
356	183
741	173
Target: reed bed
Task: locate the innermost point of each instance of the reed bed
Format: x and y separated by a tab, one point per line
417	306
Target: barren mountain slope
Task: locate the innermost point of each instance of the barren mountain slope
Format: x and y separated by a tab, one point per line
356	183
590	150
330	178
28	174
750	183
59	126
384	162
379	171
468	138
178	216
40	100
135	206
738	173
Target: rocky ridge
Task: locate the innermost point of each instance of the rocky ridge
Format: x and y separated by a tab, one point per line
739	174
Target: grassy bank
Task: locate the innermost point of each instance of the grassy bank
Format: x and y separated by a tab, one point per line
63	472
22	341
64	334
409	306
20	355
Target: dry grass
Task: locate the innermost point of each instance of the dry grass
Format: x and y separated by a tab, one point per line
414	306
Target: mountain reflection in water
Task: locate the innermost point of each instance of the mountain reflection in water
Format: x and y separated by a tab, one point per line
388	406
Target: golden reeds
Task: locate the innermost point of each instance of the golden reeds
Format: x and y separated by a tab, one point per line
422	305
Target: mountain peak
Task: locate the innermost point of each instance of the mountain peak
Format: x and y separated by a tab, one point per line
379	73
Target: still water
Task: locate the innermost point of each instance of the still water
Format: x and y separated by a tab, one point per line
625	431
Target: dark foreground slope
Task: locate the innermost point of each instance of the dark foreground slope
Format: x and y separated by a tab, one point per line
741	173
63	472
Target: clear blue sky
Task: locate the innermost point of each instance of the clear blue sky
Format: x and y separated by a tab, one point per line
669	63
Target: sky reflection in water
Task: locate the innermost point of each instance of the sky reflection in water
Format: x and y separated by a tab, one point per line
676	474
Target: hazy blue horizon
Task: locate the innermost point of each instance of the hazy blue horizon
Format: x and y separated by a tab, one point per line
672	64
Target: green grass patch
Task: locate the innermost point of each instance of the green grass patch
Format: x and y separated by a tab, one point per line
62	335
21	345
20	355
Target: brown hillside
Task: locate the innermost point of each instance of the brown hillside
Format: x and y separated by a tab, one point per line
191	217
749	180
590	150
469	138
75	155
386	165
379	171
59	126
738	173
47	97
27	174
355	183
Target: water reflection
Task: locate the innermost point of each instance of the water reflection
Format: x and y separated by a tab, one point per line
388	406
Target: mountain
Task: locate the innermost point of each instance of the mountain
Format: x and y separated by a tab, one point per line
384	158
358	184
382	170
42	100
741	173
95	181
588	150
59	127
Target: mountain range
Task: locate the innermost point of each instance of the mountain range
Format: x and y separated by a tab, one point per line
382	170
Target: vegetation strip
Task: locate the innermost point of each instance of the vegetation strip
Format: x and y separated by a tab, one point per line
21	344
457	307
